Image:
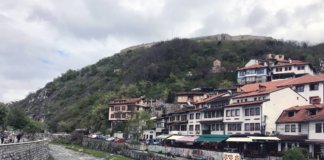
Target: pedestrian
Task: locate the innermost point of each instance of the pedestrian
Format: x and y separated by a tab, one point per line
19	135
2	136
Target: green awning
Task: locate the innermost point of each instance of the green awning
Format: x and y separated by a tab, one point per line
216	138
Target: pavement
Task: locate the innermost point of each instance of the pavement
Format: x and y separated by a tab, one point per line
61	153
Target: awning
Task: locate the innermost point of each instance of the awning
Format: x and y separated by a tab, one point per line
211	138
255	138
239	139
174	137
163	136
187	139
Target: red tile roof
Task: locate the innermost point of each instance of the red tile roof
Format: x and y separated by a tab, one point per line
255	66
301	114
213	97
282	83
258	92
303	80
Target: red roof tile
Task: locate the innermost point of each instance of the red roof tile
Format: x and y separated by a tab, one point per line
287	63
303	80
301	114
258	92
255	66
255	86
213	97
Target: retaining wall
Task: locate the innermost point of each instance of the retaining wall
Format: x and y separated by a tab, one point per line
35	150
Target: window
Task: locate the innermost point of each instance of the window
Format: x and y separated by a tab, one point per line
237	112
238	101
257	126
247	112
228	113
238	127
313	87
251	112
124	115
293	128
300	67
191	128
197	115
217	127
213	127
247	127
197	127
117	108
257	111
300	88
318	127
191	116
112	108
252	126
291	113
183	127
250	71
221	127
183	117
287	128
241	73
299	127
260	71
123	108
233	112
312	112
112	116
279	69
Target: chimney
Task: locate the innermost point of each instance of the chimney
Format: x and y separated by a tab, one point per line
290	61
262	88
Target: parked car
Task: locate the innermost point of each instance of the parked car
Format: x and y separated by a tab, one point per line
120	140
110	139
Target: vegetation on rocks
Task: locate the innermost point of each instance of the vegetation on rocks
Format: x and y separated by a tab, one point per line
79	98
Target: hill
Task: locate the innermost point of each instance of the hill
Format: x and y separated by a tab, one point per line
79	98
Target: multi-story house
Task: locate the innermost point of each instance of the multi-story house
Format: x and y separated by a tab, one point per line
309	86
302	126
253	74
255	112
177	122
121	110
291	69
190	97
211	113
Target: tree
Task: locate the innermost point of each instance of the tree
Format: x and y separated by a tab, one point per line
3	114
17	119
295	154
140	121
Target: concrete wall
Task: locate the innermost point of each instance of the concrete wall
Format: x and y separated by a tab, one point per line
36	150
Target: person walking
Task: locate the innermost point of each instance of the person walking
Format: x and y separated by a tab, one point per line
2	136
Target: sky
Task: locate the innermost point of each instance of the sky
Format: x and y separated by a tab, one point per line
41	39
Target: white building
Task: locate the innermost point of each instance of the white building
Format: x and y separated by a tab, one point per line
255	113
291	69
302	126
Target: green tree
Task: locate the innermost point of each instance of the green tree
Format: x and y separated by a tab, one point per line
17	119
138	123
3	115
295	154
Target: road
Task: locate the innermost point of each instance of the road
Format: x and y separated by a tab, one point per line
61	153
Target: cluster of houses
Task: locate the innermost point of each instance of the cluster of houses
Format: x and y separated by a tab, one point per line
278	104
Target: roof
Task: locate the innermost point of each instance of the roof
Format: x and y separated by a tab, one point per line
125	101
282	83
258	92
211	138
303	80
290	63
190	93
174	137
213	98
301	114
255	66
245	103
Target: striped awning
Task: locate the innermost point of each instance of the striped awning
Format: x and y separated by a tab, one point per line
163	136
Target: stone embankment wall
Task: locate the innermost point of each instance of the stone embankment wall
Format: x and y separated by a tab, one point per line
120	149
35	150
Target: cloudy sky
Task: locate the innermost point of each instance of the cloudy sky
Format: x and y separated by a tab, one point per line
41	39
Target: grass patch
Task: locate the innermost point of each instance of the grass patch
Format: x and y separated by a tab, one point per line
96	153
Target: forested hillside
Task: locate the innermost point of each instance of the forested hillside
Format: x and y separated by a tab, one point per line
78	99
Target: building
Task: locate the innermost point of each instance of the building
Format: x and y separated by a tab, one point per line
291	69
210	115
302	126
255	112
273	68
121	110
255	73
190	97
309	86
